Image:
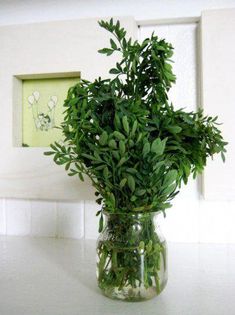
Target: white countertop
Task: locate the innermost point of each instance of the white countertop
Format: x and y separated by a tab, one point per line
46	276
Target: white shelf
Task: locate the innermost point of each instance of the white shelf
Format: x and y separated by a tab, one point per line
47	276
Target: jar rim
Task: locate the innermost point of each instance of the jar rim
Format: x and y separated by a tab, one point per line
132	213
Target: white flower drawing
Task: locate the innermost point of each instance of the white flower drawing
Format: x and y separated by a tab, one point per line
42	121
52	102
36	95
31	100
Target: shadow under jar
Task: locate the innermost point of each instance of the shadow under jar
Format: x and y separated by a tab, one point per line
131	257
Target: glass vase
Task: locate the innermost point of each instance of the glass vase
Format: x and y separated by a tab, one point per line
131	257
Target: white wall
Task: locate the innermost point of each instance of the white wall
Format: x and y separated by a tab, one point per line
25	11
191	219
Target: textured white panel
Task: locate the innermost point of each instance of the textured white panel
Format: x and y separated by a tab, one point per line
91	221
43	218
230	227
213	222
70	219
183	39
18	217
2	217
218	96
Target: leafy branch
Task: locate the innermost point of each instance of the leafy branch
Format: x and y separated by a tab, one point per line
124	134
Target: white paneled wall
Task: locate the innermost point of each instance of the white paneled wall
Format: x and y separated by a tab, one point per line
91	220
18	217
70	219
183	38
2	217
191	219
44	218
28	11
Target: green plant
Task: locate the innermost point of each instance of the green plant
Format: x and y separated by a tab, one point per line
125	135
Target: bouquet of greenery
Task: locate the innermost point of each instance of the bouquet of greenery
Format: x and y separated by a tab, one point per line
123	134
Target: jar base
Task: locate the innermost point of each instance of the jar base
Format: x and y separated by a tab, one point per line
130	294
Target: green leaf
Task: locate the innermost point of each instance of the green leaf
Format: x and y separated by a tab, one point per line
118	135
146	149
106	172
223	156
53	147
72	172
114	71
106	51
112	144
123	182
103	138
116	155
122	147
170	177
174	129
67	165
131	170
98	213
101	223
113	200
121	162
158	146
113	44
133	198
134	127
81	177
131	182
139	137
100	167
140	192
169	189
125	124
49	153
117	121
158	165
88	156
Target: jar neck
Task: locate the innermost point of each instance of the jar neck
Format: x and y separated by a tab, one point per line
125	221
131	215
131	227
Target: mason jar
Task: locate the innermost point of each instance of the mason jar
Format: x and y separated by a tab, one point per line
131	256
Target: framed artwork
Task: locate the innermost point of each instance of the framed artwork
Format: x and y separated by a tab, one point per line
39	62
42	101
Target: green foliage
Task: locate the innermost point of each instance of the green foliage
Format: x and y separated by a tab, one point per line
125	135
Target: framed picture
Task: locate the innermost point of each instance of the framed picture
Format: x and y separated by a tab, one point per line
39	62
42	108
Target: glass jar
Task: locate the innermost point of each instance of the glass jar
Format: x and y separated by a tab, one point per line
131	257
